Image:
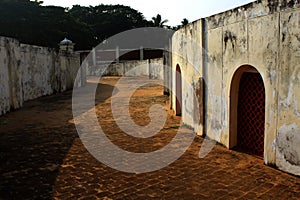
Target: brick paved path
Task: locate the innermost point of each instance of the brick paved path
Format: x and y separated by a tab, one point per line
42	157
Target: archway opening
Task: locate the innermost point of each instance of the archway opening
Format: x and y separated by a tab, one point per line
178	90
247	111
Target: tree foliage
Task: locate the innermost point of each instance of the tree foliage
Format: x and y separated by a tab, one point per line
108	20
32	23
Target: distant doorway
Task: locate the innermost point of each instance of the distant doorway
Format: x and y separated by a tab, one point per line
248	111
178	90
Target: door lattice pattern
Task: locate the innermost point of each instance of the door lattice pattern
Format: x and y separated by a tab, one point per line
251	114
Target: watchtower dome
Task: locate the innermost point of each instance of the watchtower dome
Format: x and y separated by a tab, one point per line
66	45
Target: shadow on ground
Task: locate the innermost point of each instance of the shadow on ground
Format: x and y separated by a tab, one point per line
35	142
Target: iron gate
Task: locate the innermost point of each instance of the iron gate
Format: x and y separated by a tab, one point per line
251	114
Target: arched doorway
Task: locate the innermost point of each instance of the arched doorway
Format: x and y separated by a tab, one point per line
247	111
178	90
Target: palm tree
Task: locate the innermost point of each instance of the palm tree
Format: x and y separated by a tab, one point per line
184	22
158	22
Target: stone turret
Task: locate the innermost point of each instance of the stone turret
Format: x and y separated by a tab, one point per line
66	46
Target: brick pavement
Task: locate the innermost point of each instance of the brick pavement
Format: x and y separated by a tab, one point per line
42	157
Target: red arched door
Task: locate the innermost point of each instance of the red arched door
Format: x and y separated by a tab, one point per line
251	114
178	90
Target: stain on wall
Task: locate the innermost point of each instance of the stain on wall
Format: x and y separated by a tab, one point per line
288	149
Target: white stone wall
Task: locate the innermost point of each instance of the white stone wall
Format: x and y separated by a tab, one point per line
156	69
288	121
152	68
37	69
28	72
265	35
11	94
187	50
5	100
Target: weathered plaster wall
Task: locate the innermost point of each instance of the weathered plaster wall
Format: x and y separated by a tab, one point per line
37	71
28	72
288	133
69	66
4	80
156	68
187	53
152	68
136	68
11	75
11	92
265	35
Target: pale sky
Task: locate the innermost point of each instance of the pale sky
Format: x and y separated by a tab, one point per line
173	10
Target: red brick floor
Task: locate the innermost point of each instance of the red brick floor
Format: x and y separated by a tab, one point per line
42	157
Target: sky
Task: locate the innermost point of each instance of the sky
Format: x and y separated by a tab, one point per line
172	10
